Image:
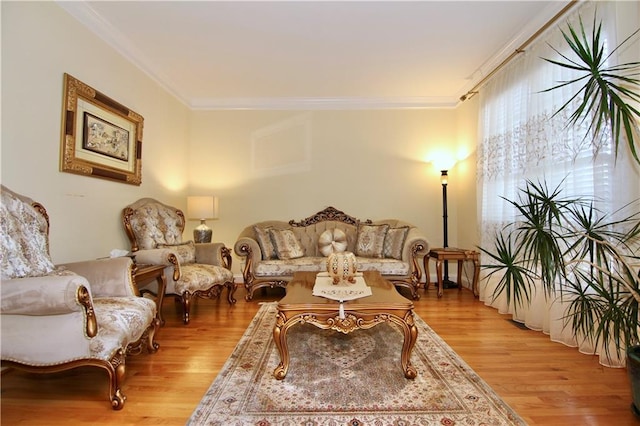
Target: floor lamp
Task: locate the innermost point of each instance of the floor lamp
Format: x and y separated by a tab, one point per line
444	180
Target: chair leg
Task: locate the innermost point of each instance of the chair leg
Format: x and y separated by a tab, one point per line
231	287
186	307
152	345
116	370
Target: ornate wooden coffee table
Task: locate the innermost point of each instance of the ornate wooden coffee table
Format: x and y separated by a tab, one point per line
384	305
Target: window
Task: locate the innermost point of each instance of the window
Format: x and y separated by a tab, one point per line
521	139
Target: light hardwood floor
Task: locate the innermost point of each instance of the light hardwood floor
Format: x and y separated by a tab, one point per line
546	383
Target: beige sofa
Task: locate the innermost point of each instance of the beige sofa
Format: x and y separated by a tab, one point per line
59	317
272	251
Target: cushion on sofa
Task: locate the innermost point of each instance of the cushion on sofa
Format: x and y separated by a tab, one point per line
286	244
264	241
186	252
332	241
370	242
394	242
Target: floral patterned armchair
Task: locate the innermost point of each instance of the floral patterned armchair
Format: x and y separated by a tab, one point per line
56	318
203	270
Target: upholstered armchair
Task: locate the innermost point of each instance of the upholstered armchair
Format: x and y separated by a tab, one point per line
193	270
60	317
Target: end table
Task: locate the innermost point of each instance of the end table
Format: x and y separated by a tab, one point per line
449	253
143	274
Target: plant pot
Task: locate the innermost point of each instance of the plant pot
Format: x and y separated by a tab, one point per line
633	369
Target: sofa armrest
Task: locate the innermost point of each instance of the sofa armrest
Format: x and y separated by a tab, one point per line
48	295
159	256
108	277
245	247
416	245
213	254
50	329
248	248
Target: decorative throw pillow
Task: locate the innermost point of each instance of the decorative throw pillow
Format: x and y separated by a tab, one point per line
394	242
23	231
332	241
186	252
286	244
370	242
264	241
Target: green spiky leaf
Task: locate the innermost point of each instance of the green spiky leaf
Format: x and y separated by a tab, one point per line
607	91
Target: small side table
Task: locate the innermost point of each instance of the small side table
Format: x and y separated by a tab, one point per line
143	274
460	255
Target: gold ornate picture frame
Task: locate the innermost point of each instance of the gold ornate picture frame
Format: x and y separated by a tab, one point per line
100	137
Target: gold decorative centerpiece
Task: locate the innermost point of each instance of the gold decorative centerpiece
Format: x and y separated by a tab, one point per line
342	281
342	267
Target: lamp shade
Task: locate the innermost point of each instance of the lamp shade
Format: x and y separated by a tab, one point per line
444	177
202	207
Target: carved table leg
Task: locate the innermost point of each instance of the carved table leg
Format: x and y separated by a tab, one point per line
476	274
280	338
439	273
410	338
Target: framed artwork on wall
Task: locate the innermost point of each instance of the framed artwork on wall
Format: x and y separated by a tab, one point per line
100	137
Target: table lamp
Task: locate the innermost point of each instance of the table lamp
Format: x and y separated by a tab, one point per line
202	208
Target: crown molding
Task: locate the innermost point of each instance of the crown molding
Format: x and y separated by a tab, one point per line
87	16
325	103
536	22
91	19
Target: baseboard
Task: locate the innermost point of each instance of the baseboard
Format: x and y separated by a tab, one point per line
466	282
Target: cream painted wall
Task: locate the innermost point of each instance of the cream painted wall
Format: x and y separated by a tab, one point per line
370	164
464	187
40	42
463	176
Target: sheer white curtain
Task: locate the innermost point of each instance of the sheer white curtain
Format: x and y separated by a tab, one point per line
519	140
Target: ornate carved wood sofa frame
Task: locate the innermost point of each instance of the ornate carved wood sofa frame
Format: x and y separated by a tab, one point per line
56	318
261	270
193	270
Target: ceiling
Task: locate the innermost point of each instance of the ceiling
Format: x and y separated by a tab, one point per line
315	54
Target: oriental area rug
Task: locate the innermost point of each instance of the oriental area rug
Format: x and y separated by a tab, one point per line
347	379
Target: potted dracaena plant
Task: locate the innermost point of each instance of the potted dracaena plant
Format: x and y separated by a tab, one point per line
609	95
567	247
